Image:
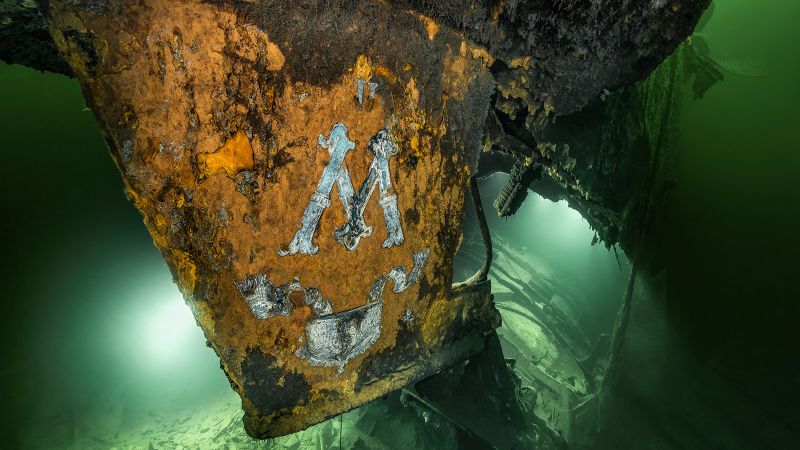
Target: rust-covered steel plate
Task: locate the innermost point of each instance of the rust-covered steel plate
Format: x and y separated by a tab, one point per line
303	171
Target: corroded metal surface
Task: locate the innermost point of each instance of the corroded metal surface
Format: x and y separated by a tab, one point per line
232	132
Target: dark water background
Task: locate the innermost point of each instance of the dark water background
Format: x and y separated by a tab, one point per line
91	325
731	238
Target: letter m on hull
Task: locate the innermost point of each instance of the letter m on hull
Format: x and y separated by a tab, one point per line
349	234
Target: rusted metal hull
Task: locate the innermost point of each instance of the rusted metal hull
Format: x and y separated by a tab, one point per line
293	169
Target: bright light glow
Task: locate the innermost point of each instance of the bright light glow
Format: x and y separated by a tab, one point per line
554	237
158	331
168	329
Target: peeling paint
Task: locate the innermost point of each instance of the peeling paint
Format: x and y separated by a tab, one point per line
263	298
337	145
336	338
360	83
402	279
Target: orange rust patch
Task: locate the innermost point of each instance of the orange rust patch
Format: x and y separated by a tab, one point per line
186	270
440	313
523	62
275	57
363	67
431	27
236	155
481	53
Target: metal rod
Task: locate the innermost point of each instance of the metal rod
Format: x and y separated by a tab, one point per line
482	273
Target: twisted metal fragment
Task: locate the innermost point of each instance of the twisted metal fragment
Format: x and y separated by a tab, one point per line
515	191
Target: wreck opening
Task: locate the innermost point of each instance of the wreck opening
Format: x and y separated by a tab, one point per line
558	292
550	240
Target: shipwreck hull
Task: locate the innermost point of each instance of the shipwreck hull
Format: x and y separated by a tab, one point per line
243	139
